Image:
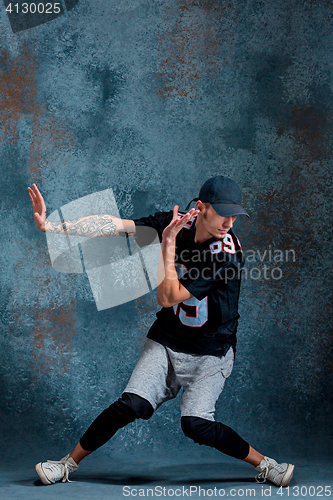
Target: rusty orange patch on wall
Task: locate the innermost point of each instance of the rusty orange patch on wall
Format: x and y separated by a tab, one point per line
17	90
53	327
53	335
18	99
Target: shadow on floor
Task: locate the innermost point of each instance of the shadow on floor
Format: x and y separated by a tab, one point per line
186	474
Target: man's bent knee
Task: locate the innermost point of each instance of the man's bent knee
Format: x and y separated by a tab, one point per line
139	406
122	412
198	429
128	408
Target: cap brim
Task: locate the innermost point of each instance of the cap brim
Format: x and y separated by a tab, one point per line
228	210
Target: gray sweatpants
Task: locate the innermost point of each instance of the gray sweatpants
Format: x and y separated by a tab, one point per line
161	372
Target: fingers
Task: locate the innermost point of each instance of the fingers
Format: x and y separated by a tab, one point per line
37	190
189	214
180	221
38	194
32	195
177	223
35	193
36	197
175	212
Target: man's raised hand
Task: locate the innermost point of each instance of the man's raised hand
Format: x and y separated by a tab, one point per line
171	231
38	207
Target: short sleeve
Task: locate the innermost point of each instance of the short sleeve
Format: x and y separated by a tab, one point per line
148	229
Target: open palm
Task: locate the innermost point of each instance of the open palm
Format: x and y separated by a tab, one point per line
177	223
38	207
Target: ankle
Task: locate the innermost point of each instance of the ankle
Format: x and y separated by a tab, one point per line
254	457
79	453
73	457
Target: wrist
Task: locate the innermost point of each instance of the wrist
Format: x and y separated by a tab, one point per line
169	242
47	226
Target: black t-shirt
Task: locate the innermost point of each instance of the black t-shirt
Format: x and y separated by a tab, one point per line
207	322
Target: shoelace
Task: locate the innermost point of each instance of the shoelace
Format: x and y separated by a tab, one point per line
261	477
68	469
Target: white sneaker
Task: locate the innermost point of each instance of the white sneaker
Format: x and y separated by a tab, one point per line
279	474
52	471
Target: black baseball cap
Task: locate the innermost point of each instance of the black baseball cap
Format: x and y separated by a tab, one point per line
223	194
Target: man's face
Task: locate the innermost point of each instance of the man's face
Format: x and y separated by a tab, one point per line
214	224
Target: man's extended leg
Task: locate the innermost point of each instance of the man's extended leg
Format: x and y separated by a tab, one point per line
152	382
221	437
226	440
203	379
123	411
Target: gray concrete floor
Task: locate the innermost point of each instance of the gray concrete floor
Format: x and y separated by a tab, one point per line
102	478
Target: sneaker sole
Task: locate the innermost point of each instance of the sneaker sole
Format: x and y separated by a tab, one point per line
288	475
41	474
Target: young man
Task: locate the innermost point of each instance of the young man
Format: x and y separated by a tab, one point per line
192	342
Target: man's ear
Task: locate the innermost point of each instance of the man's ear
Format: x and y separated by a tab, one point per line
201	206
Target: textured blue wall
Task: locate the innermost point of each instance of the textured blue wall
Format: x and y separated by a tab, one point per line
151	98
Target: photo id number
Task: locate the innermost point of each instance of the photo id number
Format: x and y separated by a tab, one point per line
305	491
34	8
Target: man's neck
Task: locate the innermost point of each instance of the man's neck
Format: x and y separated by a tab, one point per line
201	234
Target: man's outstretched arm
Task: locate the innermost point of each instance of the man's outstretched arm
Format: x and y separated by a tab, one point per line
170	291
91	226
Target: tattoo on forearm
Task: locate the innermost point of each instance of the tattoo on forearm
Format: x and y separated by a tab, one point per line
97	225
